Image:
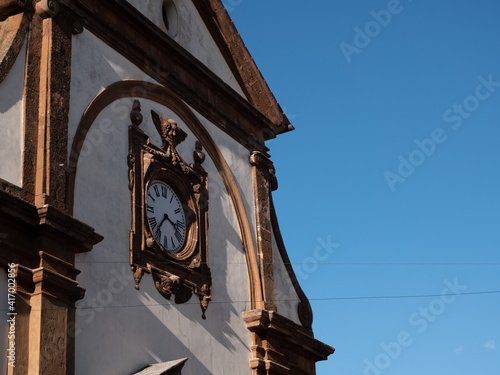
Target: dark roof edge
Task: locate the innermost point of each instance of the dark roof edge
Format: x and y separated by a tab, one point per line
241	63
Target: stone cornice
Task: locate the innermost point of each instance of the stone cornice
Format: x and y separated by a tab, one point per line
44	234
273	333
130	33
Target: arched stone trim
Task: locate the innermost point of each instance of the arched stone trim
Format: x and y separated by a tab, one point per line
12	37
163	96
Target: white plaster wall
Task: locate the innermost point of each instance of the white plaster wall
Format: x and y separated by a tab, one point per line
192	34
94	66
238	159
11	121
287	300
119	329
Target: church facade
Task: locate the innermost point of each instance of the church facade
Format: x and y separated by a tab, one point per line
136	214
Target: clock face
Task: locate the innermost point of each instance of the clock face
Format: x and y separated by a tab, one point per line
166	216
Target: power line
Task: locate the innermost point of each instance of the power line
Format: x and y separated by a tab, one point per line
346	263
404	296
284	300
312	299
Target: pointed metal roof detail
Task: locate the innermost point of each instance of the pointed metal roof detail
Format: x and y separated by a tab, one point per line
165	368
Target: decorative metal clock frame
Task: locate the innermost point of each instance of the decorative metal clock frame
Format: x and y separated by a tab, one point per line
184	271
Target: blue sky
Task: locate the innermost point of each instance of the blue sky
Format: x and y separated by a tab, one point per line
395	160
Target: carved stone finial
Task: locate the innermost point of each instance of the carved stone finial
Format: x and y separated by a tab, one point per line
138	272
205	298
170	133
135	114
47	8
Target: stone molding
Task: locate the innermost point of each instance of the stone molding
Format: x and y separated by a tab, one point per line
262	173
281	346
236	54
159	56
42	242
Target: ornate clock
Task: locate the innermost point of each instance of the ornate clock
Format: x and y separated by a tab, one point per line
169	212
166	216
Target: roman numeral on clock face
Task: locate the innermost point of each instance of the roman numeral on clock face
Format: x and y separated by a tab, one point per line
178	235
152	222
150	196
166	216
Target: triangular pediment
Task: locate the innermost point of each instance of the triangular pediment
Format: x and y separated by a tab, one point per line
205	30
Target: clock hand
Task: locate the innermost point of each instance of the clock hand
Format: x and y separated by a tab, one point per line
165	217
171	222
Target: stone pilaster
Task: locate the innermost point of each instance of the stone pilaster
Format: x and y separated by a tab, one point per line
42	242
263	181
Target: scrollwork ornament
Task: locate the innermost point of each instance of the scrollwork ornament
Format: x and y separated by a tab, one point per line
305	314
47	8
167	285
195	263
136	115
150	242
